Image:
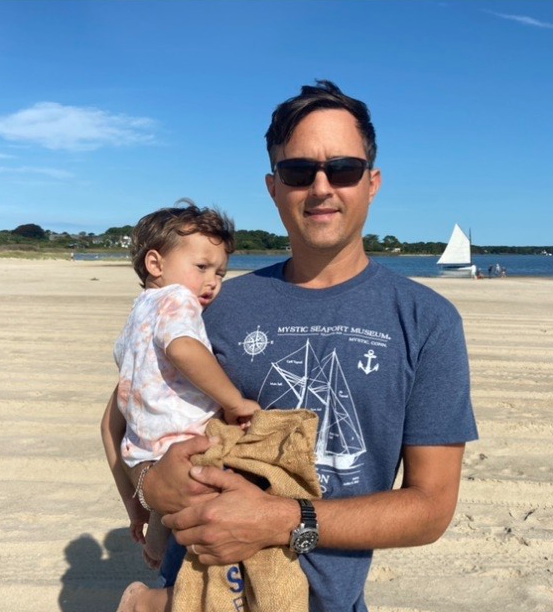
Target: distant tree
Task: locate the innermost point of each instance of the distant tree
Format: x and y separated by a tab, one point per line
371	243
259	240
391	242
126	230
30	230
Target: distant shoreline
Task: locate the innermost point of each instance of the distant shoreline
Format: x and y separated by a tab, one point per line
119	255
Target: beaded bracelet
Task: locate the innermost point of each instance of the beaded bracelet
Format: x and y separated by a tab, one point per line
139	491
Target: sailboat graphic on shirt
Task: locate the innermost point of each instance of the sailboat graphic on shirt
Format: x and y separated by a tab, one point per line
300	380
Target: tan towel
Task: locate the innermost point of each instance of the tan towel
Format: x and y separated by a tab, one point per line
279	447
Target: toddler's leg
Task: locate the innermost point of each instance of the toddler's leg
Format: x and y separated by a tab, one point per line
156	541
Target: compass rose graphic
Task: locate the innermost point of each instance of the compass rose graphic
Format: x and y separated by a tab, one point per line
255	343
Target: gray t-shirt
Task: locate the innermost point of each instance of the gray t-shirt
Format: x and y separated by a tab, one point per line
382	361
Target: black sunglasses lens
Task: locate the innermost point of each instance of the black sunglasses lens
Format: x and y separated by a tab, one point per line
345	171
297	172
340	172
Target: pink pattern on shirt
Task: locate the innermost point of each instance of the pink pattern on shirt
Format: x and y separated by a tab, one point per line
159	404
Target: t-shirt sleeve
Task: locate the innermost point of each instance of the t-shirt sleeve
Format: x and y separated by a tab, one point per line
179	315
439	409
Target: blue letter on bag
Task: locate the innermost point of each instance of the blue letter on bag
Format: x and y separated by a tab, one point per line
234	576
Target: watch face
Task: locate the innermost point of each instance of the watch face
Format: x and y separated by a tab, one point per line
305	539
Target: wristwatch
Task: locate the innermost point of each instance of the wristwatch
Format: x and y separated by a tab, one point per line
305	536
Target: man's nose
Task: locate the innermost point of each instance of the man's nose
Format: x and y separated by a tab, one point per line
321	187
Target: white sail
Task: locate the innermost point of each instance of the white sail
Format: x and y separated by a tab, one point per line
457	251
300	380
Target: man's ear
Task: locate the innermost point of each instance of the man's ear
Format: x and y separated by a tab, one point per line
376	182
270	183
154	263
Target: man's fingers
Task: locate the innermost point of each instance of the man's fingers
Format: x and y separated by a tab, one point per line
215	477
193	446
181	521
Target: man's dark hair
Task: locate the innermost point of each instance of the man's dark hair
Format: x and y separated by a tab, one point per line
325	94
161	231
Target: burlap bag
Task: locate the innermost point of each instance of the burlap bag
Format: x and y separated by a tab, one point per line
278	447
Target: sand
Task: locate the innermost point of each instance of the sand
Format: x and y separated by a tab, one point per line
63	534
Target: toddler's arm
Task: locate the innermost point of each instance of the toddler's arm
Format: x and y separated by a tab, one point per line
113	429
202	369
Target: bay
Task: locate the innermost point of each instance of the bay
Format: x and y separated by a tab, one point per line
421	265
407	265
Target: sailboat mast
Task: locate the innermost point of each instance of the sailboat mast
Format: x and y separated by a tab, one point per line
305	381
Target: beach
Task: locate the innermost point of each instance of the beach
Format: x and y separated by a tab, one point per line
64	537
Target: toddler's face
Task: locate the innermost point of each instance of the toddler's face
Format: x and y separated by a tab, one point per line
199	263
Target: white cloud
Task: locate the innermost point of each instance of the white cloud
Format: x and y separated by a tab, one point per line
6	156
54	126
525	20
49	172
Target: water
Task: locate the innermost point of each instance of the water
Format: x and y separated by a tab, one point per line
515	265
413	265
408	265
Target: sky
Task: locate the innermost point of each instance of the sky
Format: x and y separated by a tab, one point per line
110	109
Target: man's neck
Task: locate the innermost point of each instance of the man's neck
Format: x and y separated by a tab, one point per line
323	270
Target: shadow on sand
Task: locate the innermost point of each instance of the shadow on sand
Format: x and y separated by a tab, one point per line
98	574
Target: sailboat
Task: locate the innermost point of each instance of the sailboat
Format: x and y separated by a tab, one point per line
456	260
300	380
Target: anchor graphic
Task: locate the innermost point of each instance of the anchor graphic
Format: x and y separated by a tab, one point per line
370	357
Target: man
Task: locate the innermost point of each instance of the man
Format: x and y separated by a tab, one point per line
379	358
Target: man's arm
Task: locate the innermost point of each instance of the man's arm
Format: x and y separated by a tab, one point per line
414	515
113	429
244	519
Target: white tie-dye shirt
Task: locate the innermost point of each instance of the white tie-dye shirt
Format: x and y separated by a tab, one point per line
159	404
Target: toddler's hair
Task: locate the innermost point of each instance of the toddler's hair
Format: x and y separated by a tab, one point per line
161	230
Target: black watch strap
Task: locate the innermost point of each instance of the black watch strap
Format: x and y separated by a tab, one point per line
305	536
308	515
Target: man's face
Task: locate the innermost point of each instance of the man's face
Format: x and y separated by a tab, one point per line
321	216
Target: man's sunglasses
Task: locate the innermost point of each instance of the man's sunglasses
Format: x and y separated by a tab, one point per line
340	172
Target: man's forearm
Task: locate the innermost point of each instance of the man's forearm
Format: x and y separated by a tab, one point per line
414	515
391	519
244	519
112	430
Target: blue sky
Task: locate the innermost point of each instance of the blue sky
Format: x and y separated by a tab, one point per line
111	109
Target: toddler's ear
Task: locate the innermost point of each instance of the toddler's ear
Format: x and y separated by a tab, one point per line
154	263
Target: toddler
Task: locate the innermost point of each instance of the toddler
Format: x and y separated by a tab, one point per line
170	384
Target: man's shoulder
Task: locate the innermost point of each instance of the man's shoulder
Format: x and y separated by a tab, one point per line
413	294
261	276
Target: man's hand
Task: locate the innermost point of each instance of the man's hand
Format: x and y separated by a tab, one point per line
237	523
167	486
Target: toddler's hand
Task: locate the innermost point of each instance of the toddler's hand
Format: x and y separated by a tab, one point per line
138	517
137	532
241	415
